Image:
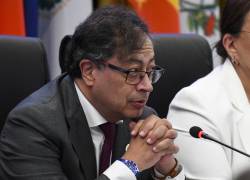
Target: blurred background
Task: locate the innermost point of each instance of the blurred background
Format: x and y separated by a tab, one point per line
50	20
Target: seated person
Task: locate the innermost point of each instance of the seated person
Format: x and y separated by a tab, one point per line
219	104
67	129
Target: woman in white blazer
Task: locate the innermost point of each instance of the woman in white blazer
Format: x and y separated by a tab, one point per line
219	104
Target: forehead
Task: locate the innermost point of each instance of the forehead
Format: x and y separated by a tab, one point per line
144	55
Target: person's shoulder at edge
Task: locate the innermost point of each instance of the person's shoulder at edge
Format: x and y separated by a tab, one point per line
40	97
31	110
206	88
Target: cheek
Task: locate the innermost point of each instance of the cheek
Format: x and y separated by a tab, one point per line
114	91
118	94
113	97
243	49
244	55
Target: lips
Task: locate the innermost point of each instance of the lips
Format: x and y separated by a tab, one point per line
138	104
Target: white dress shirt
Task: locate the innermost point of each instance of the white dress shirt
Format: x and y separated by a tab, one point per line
118	170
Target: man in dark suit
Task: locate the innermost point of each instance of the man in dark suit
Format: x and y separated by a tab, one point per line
58	132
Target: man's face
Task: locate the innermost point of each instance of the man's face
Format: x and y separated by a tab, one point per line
113	96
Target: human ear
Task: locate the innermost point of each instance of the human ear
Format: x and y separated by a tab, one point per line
87	67
230	46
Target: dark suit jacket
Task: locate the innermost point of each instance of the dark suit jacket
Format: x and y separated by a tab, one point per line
46	137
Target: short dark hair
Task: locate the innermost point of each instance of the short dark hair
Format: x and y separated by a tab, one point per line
231	22
108	31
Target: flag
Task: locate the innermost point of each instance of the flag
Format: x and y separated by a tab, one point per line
18	17
162	16
56	19
12	17
31	17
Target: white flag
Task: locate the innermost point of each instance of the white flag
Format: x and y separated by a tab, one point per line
57	20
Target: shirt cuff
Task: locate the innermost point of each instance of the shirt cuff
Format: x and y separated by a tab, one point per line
119	171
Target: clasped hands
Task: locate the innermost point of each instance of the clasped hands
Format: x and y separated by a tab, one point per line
152	144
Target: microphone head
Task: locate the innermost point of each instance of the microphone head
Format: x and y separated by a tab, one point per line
195	131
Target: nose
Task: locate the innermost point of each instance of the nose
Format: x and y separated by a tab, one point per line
145	84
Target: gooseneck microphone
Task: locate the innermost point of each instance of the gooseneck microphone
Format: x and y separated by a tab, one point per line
197	132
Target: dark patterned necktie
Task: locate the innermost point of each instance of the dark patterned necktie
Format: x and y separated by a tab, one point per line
109	133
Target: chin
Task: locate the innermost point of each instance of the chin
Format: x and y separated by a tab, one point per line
135	113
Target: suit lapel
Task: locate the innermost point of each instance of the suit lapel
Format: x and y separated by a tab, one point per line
239	100
79	131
